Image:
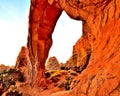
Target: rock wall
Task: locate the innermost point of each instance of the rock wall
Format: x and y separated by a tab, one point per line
101	76
80	55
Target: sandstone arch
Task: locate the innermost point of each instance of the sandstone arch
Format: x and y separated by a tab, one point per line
102	21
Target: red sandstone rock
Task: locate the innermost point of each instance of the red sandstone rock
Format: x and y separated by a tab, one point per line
42	20
81	54
3	67
22	59
23	63
101	25
52	64
102	75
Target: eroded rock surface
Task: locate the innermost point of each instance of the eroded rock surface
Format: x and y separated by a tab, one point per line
52	64
22	59
97	50
101	76
23	63
42	20
81	55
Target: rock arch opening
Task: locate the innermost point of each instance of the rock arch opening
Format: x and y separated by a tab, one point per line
65	35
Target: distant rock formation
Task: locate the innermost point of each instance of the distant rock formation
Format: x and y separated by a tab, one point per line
23	63
22	60
52	64
3	67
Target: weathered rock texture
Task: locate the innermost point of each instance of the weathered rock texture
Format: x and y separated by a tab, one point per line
101	36
102	20
80	55
22	60
23	63
52	64
42	20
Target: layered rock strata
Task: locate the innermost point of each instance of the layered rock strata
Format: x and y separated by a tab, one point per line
42	20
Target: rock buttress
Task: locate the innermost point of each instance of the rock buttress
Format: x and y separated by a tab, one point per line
42	20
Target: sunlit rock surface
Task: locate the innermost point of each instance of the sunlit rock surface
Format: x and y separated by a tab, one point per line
101	77
52	64
80	55
42	20
96	52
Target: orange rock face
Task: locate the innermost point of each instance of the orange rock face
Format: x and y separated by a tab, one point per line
42	20
102	75
100	39
22	59
81	54
23	63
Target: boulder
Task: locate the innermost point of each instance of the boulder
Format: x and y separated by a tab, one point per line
52	64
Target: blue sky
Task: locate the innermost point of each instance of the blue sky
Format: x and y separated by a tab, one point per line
14	30
13	9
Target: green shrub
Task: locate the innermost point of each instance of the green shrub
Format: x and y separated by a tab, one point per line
15	93
67	85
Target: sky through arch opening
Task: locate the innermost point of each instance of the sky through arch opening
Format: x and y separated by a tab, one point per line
65	35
